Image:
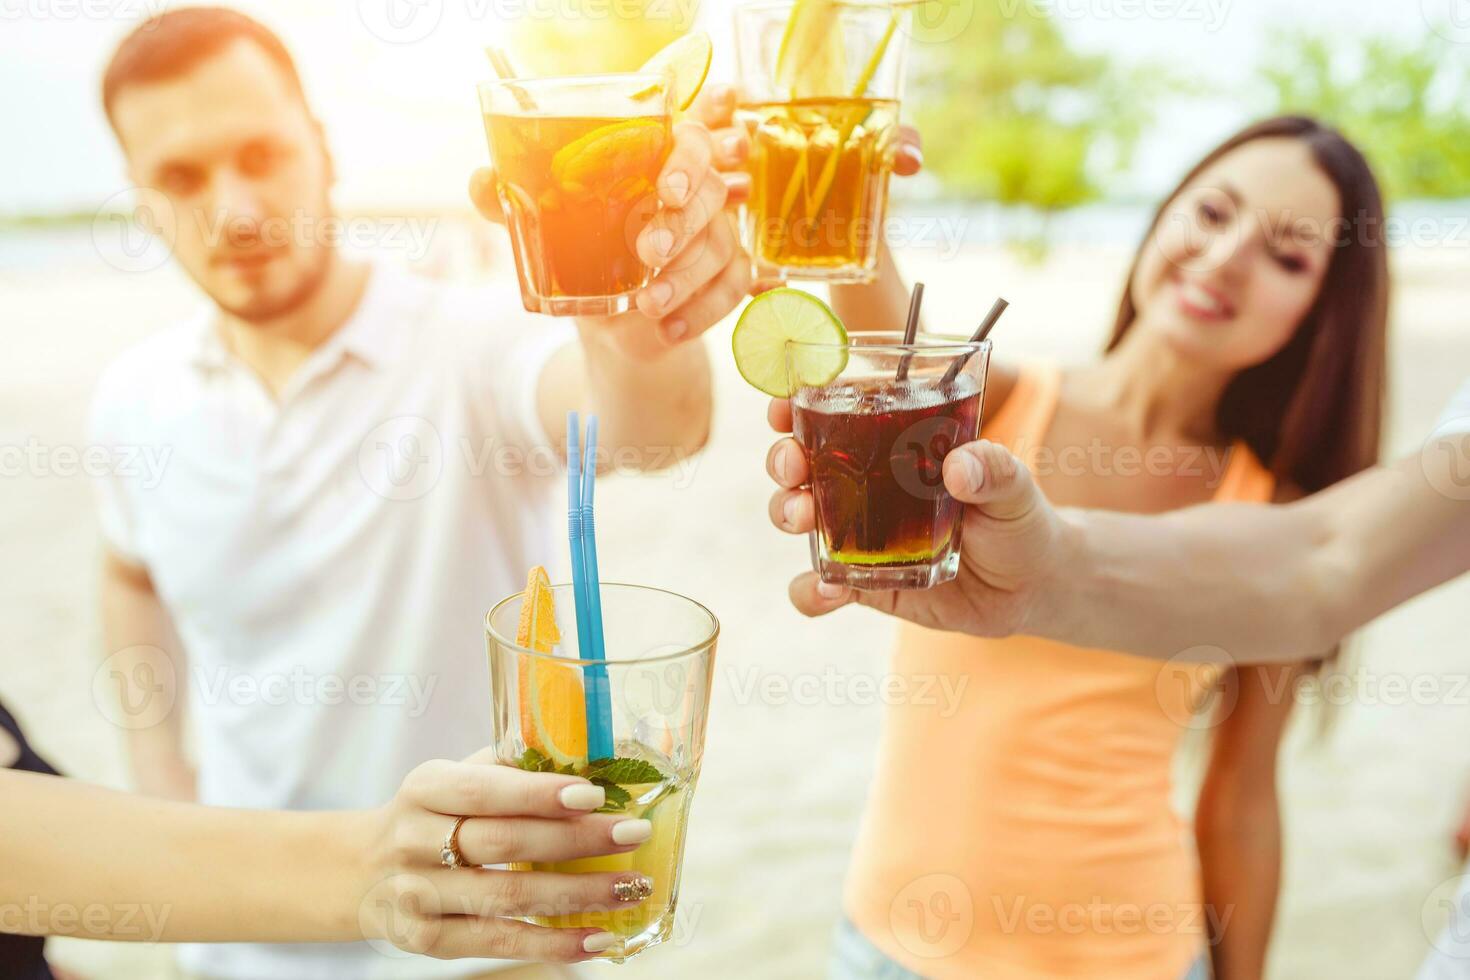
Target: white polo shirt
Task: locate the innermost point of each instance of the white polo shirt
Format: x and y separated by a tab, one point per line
327	558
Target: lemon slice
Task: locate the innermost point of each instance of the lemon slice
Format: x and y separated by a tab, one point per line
686	61
812	60
552	707
770	321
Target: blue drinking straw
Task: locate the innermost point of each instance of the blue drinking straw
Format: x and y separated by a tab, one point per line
574	533
599	697
599	709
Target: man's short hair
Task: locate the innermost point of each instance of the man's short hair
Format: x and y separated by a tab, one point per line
172	43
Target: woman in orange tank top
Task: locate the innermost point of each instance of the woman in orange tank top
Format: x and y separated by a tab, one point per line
1026	831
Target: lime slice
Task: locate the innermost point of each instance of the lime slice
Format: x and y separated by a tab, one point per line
686	60
769	322
812	60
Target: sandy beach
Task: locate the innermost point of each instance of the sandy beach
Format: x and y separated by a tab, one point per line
1369	808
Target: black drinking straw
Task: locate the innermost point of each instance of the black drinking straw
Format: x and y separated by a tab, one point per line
910	330
981	332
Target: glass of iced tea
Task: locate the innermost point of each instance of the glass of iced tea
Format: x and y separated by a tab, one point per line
576	162
820	83
875	436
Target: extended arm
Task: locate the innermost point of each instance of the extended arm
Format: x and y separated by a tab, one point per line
155	870
79	860
1262	583
1240	583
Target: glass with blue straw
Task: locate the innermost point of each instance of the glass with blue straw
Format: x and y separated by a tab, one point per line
637	682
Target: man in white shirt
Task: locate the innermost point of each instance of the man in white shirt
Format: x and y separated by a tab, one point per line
359	462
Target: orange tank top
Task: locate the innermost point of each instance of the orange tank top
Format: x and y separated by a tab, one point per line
1019	825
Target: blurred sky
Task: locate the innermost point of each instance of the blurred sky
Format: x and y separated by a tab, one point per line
394	80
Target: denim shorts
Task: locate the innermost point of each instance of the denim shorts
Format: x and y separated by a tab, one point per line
855	958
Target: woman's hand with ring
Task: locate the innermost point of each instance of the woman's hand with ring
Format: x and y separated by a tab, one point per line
416	903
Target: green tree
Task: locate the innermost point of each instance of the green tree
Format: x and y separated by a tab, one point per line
1405	103
1010	113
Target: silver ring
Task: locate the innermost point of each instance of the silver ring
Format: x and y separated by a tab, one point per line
449	853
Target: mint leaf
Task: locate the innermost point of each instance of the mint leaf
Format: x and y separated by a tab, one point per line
626	771
617	797
607	773
533	761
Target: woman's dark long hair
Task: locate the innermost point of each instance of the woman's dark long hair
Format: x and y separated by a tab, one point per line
1313	412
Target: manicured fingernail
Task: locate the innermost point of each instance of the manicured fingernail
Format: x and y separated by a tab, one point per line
631	831
677	184
915	154
788	511
583	796
632	889
779	465
675	330
662	240
831	590
660	293
598	942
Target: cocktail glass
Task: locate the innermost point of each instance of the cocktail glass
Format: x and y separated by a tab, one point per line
660	651
825	116
875	437
576	161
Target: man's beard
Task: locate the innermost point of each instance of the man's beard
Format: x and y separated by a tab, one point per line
264	309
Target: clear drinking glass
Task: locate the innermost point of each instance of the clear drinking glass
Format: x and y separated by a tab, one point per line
659	669
577	161
875	438
825	134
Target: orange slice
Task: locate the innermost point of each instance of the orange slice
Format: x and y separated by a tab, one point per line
629	145
553	711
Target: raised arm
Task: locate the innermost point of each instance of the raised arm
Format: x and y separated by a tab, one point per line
1262	583
646	372
882	304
